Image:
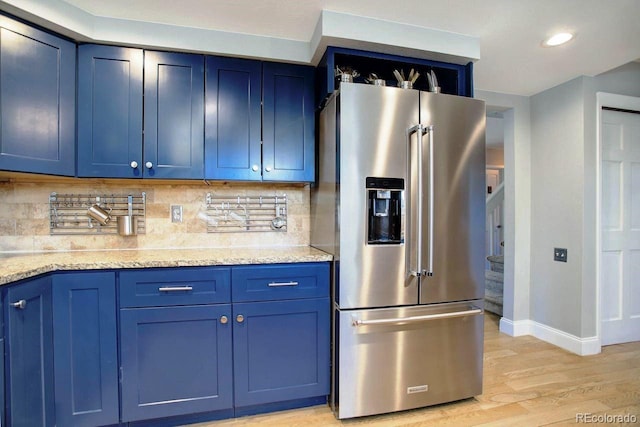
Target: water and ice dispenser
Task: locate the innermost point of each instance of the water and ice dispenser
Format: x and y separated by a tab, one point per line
385	200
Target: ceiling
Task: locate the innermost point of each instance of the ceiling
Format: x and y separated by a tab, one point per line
510	32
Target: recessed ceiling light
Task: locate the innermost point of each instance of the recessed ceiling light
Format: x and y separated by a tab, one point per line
557	39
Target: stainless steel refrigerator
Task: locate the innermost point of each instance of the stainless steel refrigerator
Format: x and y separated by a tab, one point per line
399	202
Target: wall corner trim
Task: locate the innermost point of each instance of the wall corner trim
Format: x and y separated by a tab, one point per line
515	328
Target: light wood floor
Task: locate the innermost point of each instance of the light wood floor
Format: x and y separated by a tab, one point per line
527	382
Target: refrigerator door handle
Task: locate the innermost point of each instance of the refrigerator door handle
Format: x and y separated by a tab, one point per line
429	271
417	272
415	319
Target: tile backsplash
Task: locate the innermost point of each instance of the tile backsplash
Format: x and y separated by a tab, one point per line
24	215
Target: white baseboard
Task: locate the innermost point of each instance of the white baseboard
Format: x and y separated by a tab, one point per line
580	346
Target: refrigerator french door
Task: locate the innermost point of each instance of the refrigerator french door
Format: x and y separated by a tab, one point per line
399	203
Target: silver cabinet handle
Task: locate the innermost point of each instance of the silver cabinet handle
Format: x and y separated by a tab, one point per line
268	168
276	284
240	318
22	304
148	165
255	168
175	289
224	320
134	164
413	319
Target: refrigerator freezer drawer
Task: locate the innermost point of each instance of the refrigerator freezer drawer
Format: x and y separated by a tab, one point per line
402	358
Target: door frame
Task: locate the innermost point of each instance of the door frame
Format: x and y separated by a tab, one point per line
604	99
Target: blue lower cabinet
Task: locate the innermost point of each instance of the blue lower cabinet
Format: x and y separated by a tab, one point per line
79	353
175	361
29	379
2	401
85	349
281	351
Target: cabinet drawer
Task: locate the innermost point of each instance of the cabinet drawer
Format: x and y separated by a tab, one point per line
280	281
180	286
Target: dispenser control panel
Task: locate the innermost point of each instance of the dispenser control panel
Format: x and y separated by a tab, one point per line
385	211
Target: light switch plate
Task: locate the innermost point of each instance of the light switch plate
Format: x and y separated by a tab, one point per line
560	254
176	213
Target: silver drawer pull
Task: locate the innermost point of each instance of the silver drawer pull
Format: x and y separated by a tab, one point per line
275	284
176	289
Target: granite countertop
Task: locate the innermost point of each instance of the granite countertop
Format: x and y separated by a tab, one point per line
14	267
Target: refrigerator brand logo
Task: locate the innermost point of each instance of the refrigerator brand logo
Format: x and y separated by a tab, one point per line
417	389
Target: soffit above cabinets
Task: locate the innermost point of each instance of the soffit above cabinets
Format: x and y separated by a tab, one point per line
502	37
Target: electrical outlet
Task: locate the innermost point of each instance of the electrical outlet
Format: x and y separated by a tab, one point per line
176	213
560	254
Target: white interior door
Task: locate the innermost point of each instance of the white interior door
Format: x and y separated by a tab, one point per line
620	223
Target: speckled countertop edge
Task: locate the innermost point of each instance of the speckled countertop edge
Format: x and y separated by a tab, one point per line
14	267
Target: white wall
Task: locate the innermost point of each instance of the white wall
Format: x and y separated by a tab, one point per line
557	165
495	157
563	198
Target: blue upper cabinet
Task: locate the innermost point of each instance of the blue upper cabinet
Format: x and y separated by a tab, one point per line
37	100
288	122
173	116
110	114
109	111
236	125
233	119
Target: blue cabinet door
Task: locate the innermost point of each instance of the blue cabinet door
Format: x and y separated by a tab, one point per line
2	351
109	111
2	401
85	349
288	122
30	354
233	119
175	361
173	116
37	100
281	351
